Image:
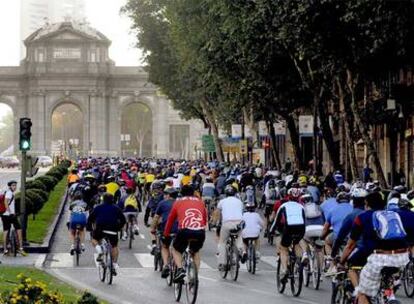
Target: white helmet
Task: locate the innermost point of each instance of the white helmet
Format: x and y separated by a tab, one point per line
359	192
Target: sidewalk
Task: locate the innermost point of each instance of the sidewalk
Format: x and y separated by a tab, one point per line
33	260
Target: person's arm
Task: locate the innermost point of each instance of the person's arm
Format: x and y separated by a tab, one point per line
356	232
170	221
325	230
121	217
343	232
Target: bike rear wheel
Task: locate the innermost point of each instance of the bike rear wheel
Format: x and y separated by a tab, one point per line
178	288
225	270
409	279
338	293
130	235
252	259
316	271
296	278
77	250
280	283
109	267
13	242
191	283
235	263
170	277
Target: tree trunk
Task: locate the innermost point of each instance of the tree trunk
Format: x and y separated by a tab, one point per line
214	129
363	129
275	150
249	120
294	138
327	135
351	145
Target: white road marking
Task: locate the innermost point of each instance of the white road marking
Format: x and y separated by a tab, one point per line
62	260
149	247
142	236
145	259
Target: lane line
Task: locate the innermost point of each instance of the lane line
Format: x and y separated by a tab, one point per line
142	236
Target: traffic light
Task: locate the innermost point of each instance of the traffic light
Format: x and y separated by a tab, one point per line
31	169
25	134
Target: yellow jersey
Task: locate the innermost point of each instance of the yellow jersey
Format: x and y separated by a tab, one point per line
186	180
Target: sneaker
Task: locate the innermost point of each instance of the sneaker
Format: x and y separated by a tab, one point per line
83	247
165	272
179	275
136	230
305	258
5	252
153	249
72	249
243	258
221	267
22	252
98	249
124	236
115	269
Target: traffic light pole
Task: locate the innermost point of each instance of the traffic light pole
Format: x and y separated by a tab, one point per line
23	217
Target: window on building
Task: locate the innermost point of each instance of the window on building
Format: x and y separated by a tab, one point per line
67	53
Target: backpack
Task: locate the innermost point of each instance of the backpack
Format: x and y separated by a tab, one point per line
312	210
2	203
388	225
131	201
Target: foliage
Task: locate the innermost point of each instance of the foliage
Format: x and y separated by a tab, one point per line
29	291
88	298
49	181
36	184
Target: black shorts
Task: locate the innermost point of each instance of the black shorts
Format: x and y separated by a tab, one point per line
196	239
358	258
9	220
98	235
268	210
292	235
246	240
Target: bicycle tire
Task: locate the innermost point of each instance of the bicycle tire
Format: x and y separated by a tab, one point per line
109	265
235	263
170	277
409	279
13	242
160	262
338	294
280	285
102	270
156	259
307	273
296	271
225	270
178	288
191	285
77	249
252	258
249	259
316	273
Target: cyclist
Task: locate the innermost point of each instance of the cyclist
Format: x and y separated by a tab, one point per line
253	226
77	220
191	215
334	220
129	205
9	218
111	186
158	223
73	177
290	222
108	219
209	192
231	213
386	243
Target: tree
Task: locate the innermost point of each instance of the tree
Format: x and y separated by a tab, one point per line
6	131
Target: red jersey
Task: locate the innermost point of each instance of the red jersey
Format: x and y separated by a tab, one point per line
190	212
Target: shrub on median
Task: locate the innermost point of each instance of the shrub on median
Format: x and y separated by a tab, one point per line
48	181
36	184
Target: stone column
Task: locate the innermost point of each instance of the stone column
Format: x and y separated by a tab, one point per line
114	122
161	129
97	124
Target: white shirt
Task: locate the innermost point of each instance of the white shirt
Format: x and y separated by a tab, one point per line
231	209
254	224
9	196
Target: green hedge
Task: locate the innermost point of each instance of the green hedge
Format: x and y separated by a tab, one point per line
38	190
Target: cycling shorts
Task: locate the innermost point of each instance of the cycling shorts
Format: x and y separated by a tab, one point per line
292	235
268	210
9	220
183	238
77	219
98	235
358	258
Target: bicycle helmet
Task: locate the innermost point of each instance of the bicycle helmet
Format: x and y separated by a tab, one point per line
12	182
272	184
410	195
249	187
303	180
393	204
359	193
230	190
306	198
400	189
343	197
294	193
404	204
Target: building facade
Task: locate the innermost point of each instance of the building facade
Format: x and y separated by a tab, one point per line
67	63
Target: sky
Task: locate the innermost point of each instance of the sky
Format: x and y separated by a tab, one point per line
102	14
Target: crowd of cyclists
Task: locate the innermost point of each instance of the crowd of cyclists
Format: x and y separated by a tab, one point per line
355	225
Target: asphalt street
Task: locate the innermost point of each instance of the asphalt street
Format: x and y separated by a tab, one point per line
138	283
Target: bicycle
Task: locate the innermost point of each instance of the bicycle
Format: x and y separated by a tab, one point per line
251	256
313	270
78	248
408	278
130	229
232	255
171	264
342	289
158	262
12	241
386	292
106	266
209	202
294	274
190	281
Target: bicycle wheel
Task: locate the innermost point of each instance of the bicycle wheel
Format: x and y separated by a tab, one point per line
409	279
77	250
178	288
191	283
156	259
130	235
224	271
252	259
338	294
235	263
316	270
160	262
307	273
280	283
296	278
102	269
169	279
249	261
109	267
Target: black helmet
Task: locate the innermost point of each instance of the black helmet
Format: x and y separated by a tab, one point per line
404	204
410	194
400	189
343	197
12	182
230	190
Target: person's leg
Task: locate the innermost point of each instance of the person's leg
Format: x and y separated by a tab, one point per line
5	233
284	255
115	254
197	259
165	253
178	258
353	276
